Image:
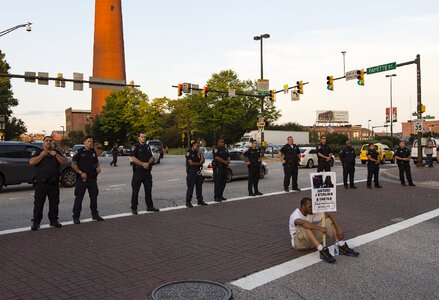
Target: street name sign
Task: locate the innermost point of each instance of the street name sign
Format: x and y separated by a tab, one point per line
381	68
351	75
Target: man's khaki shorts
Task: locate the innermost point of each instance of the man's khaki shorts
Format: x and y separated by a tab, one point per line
301	241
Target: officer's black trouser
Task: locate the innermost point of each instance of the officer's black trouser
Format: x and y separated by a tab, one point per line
140	176
324	166
91	184
253	178
114	161
291	170
372	170
194	180
348	169
51	191
405	167
219	180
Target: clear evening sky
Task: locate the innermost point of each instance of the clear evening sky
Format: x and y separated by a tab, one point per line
170	42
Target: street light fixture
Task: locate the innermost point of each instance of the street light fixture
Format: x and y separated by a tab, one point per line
368	126
344	62
391	106
261	38
26	25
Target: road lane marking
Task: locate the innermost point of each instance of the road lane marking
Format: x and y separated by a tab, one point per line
258	279
16	230
177	179
115	185
15	198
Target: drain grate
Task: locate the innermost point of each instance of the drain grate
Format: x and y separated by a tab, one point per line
192	290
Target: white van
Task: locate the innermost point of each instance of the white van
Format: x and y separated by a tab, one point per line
424	142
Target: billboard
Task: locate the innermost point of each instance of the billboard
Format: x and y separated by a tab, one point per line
394	116
332	116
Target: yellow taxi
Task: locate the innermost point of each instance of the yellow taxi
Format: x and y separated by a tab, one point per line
386	154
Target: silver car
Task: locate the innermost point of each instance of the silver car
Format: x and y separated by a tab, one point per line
237	167
309	159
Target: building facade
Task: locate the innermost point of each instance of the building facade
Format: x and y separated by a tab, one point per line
77	120
429	126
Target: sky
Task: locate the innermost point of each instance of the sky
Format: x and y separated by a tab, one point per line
171	42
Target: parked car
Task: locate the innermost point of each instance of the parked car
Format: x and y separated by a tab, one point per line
158	144
74	150
237	167
124	150
156	154
15	167
273	149
203	150
423	143
309	159
385	153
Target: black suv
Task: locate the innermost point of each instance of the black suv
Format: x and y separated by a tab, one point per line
158	145
15	167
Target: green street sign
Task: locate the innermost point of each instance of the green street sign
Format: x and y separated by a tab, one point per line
381	68
263	93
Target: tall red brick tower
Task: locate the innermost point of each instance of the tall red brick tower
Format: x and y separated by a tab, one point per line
108	51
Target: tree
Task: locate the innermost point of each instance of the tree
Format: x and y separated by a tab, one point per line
14	126
290	126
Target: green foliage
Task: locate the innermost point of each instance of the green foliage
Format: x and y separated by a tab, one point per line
290	126
336	138
13	127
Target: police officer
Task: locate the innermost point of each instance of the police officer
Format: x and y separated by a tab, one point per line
403	156
347	158
253	159
86	164
194	164
46	183
220	162
142	160
323	155
289	155
373	166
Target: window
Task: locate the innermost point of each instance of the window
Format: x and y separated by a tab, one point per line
32	151
235	156
12	151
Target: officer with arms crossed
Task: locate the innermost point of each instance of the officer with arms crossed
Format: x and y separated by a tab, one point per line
373	166
307	232
253	160
220	162
142	160
402	156
324	156
194	164
347	158
46	183
289	155
86	164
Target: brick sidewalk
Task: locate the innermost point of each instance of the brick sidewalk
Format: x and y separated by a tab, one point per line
126	258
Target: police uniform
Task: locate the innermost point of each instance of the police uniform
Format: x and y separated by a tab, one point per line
141	175
254	169
219	172
347	157
404	166
46	185
373	168
87	162
323	165
291	166
194	177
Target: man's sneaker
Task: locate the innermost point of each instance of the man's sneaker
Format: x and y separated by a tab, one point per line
35	226
345	250
202	203
134	211
189	205
55	224
76	221
152	209
326	256
97	218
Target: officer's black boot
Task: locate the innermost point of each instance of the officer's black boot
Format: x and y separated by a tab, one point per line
189	204
35	225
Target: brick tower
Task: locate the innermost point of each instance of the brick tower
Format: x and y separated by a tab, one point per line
108	51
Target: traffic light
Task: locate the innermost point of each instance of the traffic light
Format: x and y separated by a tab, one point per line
179	90
360	77
300	87
422	108
272	95
330	82
131	87
205	92
59	82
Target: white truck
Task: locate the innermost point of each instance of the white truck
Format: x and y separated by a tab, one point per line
276	137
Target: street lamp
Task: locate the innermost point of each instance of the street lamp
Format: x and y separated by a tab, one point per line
391	106
344	63
27	25
368	126
261	38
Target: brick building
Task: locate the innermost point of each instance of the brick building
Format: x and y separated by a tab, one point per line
354	132
77	120
429	126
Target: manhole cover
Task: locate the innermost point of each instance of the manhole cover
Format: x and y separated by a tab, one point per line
192	290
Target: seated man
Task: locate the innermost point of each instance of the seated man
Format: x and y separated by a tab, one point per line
307	232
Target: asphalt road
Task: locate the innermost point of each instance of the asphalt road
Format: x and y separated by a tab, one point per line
169	189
